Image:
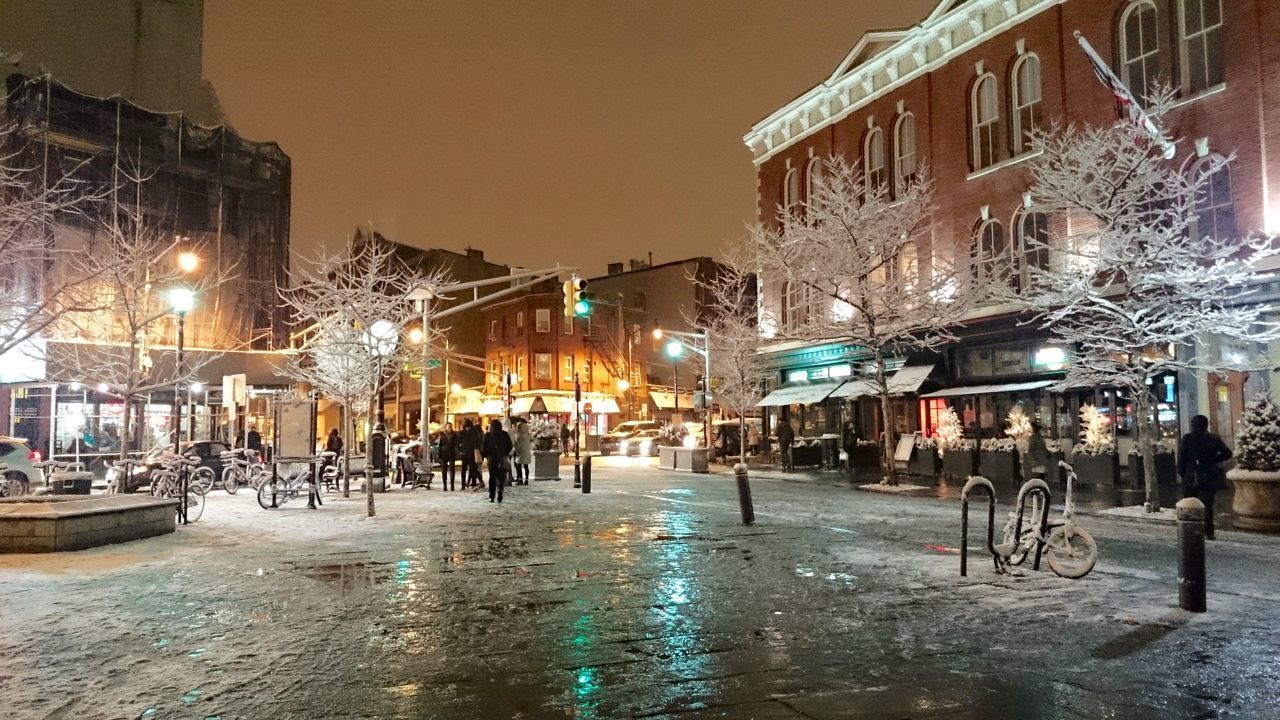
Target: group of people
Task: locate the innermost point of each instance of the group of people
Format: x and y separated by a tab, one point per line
470	446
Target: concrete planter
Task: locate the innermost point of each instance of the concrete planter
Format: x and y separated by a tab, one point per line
546	465
1256	502
960	463
667	456
1096	469
53	524
865	457
924	462
998	465
693	460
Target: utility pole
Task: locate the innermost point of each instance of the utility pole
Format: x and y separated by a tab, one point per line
577	436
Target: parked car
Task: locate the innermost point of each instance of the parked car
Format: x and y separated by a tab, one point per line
20	472
644	442
209	452
611	441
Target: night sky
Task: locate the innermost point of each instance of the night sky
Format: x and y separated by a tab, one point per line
576	131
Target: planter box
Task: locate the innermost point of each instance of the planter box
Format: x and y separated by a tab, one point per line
1166	471
1256	501
546	465
691	459
924	462
52	524
1096	469
865	457
997	465
667	457
806	456
960	463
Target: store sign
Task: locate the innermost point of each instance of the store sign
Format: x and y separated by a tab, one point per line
1049	358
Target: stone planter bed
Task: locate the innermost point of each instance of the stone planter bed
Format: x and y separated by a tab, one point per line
924	462
1096	469
959	463
546	465
1256	501
71	522
998	465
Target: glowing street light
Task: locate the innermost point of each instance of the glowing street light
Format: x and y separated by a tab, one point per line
623	385
415	335
188	262
675	349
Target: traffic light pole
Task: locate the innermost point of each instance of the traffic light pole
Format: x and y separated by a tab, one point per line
577	431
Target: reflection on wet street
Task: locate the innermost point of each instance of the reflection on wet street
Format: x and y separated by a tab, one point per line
644	599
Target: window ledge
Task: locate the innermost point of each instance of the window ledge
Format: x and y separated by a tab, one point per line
1207	92
1003	164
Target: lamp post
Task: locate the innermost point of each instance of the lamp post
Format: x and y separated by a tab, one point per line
623	386
182	300
703	348
675	349
422	298
577	437
380	339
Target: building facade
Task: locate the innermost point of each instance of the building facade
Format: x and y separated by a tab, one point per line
958	94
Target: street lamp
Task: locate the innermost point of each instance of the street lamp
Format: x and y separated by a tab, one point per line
182	299
188	262
380	339
422	298
675	349
702	346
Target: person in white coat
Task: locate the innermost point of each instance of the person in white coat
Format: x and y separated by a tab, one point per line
523	453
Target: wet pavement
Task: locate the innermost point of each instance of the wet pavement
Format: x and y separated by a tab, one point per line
646	598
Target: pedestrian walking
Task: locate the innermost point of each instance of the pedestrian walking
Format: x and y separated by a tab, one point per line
564	439
448	455
254	440
497	451
1200	458
523	455
468	449
753	438
1036	458
786	437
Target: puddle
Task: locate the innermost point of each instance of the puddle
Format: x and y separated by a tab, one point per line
1138	638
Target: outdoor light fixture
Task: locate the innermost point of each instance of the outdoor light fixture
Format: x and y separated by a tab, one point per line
675	348
75	386
415	335
456	388
623	385
182	300
197	387
188	262
657	333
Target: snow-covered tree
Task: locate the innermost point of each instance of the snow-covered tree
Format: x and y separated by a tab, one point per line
858	270
39	281
1095	433
949	431
354	311
1017	425
734	341
1133	272
1258	441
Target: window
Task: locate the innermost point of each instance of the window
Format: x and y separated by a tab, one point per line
519	378
791	191
542	366
798	304
566	369
520	320
984	112
873	159
1026	113
904	150
1139	48
542	320
1215	217
1201	32
989	252
1032	247
908	267
493	329
812	174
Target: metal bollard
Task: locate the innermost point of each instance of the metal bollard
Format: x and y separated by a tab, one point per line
744	494
1191	575
586	475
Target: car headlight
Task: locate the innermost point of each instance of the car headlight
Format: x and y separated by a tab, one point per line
645	445
623	445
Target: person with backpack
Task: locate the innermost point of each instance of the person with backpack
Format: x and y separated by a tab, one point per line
496	449
1200	458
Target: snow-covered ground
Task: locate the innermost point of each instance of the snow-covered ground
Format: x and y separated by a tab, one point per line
645	598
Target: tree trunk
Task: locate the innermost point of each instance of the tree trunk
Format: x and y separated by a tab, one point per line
1147	447
368	458
344	420
742	439
886	422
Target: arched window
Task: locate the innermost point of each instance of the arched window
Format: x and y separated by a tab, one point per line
990	252
904	150
1215	215
1032	247
1200	29
797	304
791	191
1139	48
984	113
812	174
1026	115
873	159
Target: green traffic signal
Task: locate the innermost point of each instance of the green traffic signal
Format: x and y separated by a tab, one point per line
581	307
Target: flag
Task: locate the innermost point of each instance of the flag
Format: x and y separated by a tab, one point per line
1132	108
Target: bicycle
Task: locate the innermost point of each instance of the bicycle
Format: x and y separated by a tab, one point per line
241	467
166	481
1070	550
275	493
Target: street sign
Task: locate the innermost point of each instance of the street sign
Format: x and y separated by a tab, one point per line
586	408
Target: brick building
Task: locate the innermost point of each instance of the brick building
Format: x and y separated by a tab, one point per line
957	93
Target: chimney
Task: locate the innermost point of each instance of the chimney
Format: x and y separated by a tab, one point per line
615	268
474	254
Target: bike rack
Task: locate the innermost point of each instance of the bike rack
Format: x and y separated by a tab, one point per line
1034	486
977	482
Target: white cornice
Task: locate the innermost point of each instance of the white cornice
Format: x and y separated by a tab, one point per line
921	49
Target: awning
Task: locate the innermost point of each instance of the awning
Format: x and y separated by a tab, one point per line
800	393
522	405
909	379
604	406
557	404
861	387
989	389
491	407
666	400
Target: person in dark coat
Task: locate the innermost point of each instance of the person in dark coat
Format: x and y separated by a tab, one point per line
496	450
467	446
254	441
477	437
1200	458
564	438
786	436
448	454
333	443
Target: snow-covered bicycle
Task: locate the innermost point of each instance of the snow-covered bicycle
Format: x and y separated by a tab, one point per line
1070	550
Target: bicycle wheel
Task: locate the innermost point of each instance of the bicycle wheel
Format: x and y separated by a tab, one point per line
1027	544
201	480
232	478
1071	552
264	495
195	506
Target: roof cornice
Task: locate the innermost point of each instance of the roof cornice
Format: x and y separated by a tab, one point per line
919	50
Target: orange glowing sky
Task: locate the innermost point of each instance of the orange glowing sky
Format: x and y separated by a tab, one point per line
579	131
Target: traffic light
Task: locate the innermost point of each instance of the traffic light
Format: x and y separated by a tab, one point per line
576	302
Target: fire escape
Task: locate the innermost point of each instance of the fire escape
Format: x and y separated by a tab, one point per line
610	340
